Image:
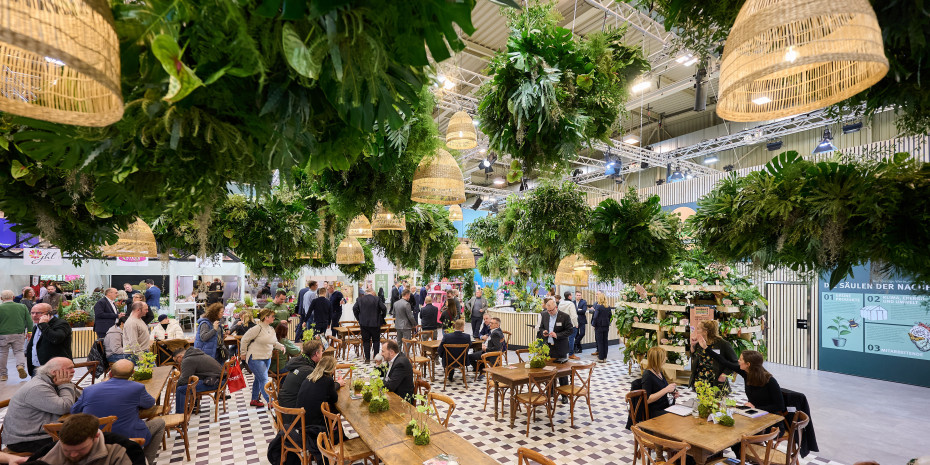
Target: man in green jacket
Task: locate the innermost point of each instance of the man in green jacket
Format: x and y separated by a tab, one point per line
281	311
15	322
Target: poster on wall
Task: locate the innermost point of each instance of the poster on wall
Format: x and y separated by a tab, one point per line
35	257
381	282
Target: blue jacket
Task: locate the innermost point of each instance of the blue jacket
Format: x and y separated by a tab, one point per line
601	318
153	297
209	346
582	307
120	397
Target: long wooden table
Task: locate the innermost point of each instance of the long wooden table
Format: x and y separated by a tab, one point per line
706	438
385	435
154	386
517	374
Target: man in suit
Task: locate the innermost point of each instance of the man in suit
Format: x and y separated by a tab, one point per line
336	301
458	336
105	312
369	310
567	307
494	343
395	294
307	299
51	337
554	328
423	293
321	313
152	295
581	307
404	321
414	306
299	309
429	318
399	375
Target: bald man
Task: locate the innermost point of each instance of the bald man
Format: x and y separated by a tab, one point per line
124	398
51	337
43	399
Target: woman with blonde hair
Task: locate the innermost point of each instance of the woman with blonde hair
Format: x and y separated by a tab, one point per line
656	384
257	346
703	366
321	386
601	323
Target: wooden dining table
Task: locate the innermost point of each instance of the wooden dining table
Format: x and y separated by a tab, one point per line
154	386
517	374
431	349
385	433
704	437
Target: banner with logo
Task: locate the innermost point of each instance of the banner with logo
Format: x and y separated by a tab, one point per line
132	261
33	257
213	261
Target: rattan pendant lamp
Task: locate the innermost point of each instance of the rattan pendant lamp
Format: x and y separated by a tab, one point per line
350	252
384	220
462	257
359	227
135	241
566	275
787	57
455	213
461	134
438	180
59	61
583	264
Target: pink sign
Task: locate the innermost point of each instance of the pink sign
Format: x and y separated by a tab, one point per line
132	261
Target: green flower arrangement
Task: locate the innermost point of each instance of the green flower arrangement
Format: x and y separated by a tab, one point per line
145	363
418	427
539	353
357	386
308	335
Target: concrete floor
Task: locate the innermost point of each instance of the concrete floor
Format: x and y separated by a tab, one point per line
856	419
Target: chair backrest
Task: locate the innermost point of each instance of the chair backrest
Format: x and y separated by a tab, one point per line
334	426
326	448
636	401
450	406
275	366
334	343
169	391
540	382
460	359
191	398
795	432
520	353
422	387
91	371
529	456
766	441
271	388
106	425
224	375
297	423
488	362
350	369
581	377
654	450
410	347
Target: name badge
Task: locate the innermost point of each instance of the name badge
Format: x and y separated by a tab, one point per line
558	324
716	351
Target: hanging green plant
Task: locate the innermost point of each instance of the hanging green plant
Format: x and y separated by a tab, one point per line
824	218
550	93
427	243
631	240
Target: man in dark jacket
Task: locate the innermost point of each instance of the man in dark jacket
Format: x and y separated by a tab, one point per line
81	434
299	309
105	312
494	343
395	294
581	307
298	368
399	376
554	329
194	362
429	318
369	311
336	300
321	313
458	336
51	337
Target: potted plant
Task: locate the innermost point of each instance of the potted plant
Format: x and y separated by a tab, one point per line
418	427
357	386
539	354
144	364
708	398
839	325
367	394
309	335
77	318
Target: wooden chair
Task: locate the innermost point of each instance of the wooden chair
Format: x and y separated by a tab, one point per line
456	362
170	389
271	388
529	456
219	394
652	449
336	345
179	421
350	369
106	425
539	388
580	387
91	371
498	387
164	349
139	441
421	387
288	442
759	448
345	450
353	339
507	335
520	353
792	453
412	350
486	362
4	404
636	402
275	368
432	397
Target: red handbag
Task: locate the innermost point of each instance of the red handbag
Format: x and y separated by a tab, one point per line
236	380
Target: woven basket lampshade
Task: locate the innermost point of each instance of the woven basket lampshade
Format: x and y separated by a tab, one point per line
583	264
787	57
455	213
350	252
564	275
438	180
360	227
135	241
59	61
384	220
461	134
462	258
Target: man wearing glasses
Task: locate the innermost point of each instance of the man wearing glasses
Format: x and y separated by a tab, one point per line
51	337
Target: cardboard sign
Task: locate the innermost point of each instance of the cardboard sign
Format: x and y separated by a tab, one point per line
699	314
34	257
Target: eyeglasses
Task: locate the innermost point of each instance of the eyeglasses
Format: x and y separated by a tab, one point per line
38	313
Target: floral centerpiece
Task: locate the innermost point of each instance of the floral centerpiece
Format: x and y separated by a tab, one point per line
418	427
713	405
357	386
524	302
144	364
539	353
77	317
309	335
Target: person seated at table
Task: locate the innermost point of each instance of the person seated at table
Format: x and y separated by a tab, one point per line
82	442
43	399
458	336
245	322
762	390
298	368
485	330
319	387
135	331
123	398
450	313
166	329
429	319
194	362
494	342
656	384
290	350
113	341
398	377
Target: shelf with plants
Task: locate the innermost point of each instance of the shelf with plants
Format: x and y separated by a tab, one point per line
695	288
649	326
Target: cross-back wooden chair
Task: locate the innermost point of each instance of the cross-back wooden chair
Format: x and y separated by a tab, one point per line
792	440
487	360
421	387
653	450
345	450
353	338
180	421
637	406
756	450
106	425
529	457
164	349
500	388
413	351
170	389
452	362
219	394
520	353
271	388
275	368
507	335
432	397
91	371
539	388
335	345
348	368
580	387
297	425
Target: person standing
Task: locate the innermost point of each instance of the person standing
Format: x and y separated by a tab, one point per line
321	313
51	337
256	348
336	300
567	307
369	311
207	338
581	308
477	304
105	312
706	368
309	297
414	306
15	322
404	321
54	297
152	295
215	292
429	318
301	312
130	292
554	329
395	294
601	323
135	331
29	297
281	311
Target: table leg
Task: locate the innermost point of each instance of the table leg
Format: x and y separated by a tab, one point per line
495	399
700	455
513	405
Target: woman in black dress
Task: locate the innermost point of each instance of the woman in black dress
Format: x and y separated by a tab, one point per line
319	387
762	389
703	366
655	384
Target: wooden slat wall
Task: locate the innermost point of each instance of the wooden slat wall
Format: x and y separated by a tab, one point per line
522	335
82	339
787	344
